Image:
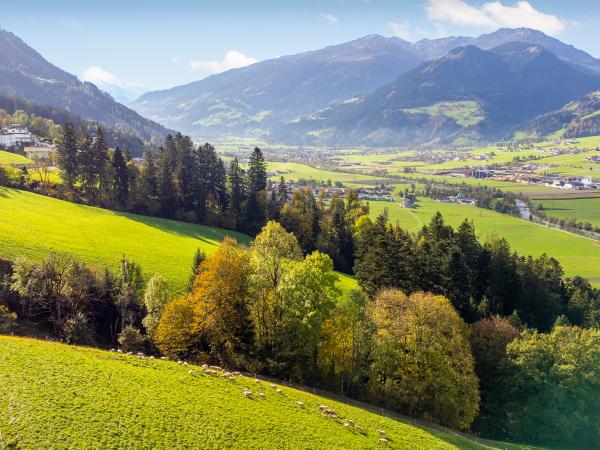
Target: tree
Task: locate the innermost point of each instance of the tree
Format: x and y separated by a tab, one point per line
554	394
148	189
67	155
167	195
174	336
422	362
237	189
282	192
120	182
489	339
220	302
257	171
199	257
156	297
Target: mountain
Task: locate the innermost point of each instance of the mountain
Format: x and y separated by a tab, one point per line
275	97
251	100
26	75
436	48
469	93
578	118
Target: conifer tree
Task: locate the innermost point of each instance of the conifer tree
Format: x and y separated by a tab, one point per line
120	183
237	189
67	155
257	171
167	195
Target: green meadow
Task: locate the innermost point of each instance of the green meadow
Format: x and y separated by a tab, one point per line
33	225
578	255
581	209
12	158
296	171
59	396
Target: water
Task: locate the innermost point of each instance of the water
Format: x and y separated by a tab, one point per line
524	211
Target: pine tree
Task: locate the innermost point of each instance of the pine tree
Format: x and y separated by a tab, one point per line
167	195
199	257
67	155
148	186
87	169
257	171
100	163
184	172
120	183
282	192
237	189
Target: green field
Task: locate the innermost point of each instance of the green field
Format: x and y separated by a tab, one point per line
33	225
578	255
296	171
12	158
59	396
581	209
464	113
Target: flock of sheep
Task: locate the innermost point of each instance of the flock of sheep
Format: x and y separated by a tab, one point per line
326	411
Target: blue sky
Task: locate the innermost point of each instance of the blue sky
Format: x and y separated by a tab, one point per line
142	45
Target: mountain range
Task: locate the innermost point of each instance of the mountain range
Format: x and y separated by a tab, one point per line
381	91
26	76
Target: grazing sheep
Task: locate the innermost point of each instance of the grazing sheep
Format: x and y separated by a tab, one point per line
205	366
273	386
185	363
191	372
257	381
112	350
346	425
216	368
300	404
262	395
180	362
130	353
357	427
350	422
383	441
164	358
323	407
236	374
279	391
247	394
381	432
119	351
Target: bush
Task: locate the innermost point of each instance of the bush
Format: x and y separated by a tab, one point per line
174	335
131	340
76	330
8	319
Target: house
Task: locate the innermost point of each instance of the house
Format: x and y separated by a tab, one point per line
15	135
40	152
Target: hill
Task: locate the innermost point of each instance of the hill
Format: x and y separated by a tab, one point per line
505	86
26	75
579	118
250	100
33	225
86	398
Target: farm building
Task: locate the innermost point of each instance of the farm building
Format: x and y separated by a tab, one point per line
40	152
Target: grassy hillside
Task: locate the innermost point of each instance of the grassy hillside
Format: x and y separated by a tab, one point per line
33	225
578	255
12	158
76	397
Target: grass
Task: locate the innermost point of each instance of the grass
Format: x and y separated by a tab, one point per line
12	158
581	209
33	225
296	171
59	396
578	255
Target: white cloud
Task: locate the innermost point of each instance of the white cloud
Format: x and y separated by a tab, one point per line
175	60
494	14
232	60
98	75
400	29
330	18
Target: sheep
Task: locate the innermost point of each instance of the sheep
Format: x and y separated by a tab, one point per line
262	395
300	404
357	427
191	372
236	374
130	353
215	368
247	394
350	422
346	425
164	358
383	441
205	366
279	391
257	381
273	386
381	433
323	407
180	362
185	363
119	351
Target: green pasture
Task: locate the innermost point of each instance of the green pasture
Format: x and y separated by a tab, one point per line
580	209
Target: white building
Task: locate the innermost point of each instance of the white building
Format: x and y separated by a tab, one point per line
15	135
40	152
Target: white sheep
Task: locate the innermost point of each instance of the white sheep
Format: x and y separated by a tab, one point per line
279	391
273	386
300	404
262	395
257	381
357	427
323	407
383	441
381	432
248	394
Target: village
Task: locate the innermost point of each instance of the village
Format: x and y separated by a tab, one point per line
18	138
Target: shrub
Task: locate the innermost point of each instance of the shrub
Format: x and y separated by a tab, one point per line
174	335
131	340
8	319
